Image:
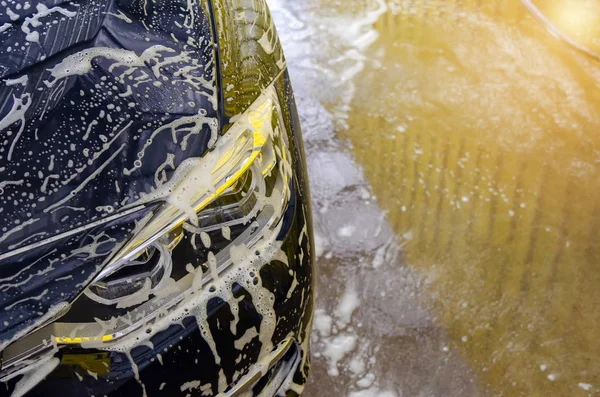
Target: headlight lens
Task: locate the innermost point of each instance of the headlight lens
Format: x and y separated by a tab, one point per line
233	195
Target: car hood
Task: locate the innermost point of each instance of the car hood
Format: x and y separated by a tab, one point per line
99	104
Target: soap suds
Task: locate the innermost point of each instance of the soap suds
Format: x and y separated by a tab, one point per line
585	386
346	231
336	349
347	304
373	392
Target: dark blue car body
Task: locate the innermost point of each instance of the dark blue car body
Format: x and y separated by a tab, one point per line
100	103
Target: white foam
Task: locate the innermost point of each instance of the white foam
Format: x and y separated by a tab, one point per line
321	244
379	257
372	392
16	114
322	322
346	231
205	239
226	232
357	365
30	298
337	348
12	15
20	80
366	381
349	302
248	336
34	20
191	385
585	386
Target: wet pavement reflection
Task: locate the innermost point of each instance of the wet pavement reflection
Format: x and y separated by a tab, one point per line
453	151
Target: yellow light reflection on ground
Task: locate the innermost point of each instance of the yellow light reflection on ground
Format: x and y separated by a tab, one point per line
479	135
579	20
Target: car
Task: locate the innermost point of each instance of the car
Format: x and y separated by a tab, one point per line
155	221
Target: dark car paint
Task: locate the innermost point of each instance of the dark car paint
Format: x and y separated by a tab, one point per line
185	355
54	133
249	70
49	163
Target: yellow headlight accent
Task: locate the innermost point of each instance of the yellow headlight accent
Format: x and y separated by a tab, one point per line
234	154
71	341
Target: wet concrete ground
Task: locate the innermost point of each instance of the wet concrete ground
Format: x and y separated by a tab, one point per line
453	150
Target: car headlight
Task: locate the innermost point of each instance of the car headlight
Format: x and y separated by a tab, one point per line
235	196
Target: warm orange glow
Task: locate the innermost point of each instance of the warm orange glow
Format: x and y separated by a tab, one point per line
575	18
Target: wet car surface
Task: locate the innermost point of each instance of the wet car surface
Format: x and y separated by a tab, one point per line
156	220
453	159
